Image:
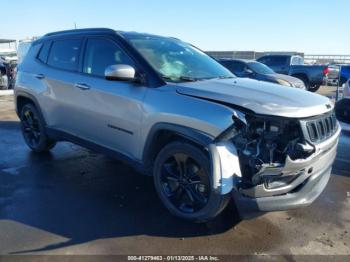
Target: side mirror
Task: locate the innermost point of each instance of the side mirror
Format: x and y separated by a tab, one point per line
120	72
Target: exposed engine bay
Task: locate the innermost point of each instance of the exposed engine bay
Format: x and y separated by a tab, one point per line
264	144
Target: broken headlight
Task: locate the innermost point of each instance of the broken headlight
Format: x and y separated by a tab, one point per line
264	143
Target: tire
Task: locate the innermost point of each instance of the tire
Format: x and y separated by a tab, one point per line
34	131
314	88
342	110
306	82
184	183
342	81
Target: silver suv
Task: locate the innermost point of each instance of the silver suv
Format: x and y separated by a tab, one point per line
176	114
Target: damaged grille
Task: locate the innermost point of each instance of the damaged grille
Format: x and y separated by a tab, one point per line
320	129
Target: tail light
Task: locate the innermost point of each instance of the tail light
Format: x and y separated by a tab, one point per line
326	71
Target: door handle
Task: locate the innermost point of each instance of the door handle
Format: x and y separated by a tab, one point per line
40	76
82	86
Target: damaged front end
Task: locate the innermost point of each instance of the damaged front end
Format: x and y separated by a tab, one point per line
275	155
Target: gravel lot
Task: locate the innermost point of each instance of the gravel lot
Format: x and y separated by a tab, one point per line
74	201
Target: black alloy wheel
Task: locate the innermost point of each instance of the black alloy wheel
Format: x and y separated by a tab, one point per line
183	180
185	183
33	130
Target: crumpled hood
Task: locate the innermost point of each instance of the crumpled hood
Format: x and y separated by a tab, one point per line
261	97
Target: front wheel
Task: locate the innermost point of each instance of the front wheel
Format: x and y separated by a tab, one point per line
33	130
184	183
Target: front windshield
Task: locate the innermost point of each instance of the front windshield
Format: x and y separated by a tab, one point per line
177	61
260	68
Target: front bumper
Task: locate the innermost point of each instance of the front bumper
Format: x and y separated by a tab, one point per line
312	175
303	196
301	192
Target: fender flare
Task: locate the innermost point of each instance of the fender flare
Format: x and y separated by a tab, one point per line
188	133
30	97
224	165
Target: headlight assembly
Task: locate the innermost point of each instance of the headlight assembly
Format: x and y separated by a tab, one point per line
284	82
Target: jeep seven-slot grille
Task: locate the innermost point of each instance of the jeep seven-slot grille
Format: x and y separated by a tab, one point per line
321	128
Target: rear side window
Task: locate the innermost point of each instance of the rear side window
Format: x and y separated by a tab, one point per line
64	54
44	51
296	60
236	67
274	60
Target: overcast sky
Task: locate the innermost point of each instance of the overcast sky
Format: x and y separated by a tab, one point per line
313	27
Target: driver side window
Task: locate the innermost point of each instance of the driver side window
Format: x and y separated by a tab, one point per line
101	53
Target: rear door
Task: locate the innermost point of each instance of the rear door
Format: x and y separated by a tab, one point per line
60	75
107	112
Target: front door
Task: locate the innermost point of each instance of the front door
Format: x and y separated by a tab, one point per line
109	112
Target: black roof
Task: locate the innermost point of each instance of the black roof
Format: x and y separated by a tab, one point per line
237	59
79	31
123	34
74	32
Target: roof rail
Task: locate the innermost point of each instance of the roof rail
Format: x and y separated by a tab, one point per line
80	31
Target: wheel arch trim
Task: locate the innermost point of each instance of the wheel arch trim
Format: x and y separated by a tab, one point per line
224	163
188	133
30	97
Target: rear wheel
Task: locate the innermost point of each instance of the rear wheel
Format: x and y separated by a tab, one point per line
184	183
314	88
33	129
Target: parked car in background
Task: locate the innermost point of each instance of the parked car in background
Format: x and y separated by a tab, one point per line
332	78
178	115
312	75
344	73
8	63
258	71
335	70
342	107
3	75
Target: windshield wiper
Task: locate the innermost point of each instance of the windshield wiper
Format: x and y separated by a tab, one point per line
181	78
225	77
188	78
217	77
